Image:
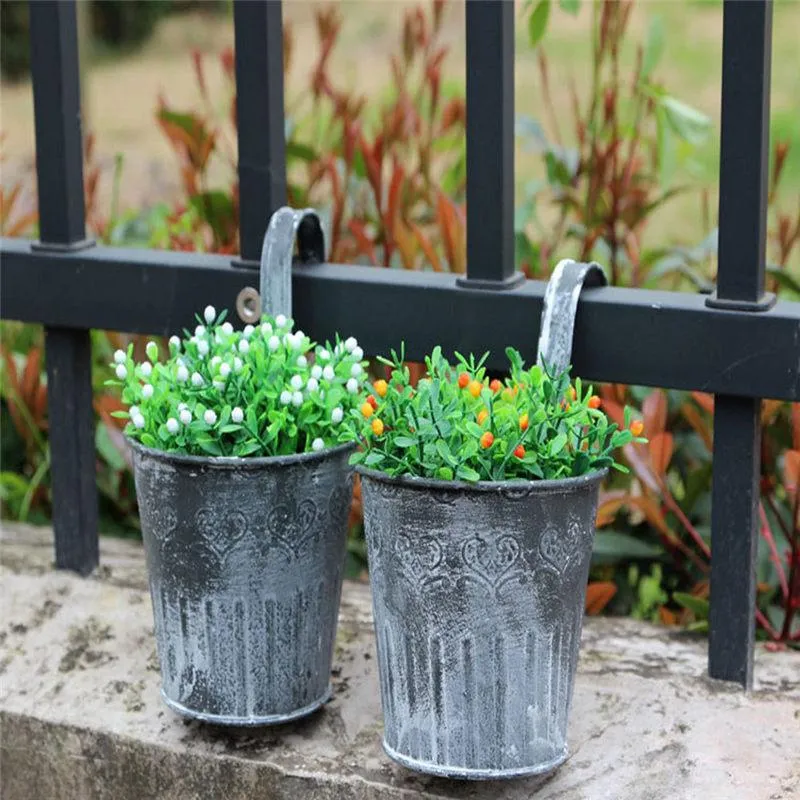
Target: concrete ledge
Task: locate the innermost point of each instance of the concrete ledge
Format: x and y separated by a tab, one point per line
82	718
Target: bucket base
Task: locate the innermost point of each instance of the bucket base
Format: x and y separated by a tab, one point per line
466	773
272	719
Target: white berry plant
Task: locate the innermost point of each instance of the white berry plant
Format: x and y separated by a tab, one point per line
266	390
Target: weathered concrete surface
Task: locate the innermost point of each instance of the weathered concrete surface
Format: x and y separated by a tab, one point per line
82	718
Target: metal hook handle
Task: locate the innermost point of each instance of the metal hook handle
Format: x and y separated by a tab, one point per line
560	307
275	274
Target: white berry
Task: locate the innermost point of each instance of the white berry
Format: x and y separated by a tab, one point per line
210	417
172	425
317	445
237	415
210	314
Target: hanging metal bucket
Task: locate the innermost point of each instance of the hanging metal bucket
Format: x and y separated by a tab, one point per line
245	560
478	594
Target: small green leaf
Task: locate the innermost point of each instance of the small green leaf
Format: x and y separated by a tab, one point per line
654	47
697	605
570	6
558	444
537	23
405	441
467	474
612	545
373	459
444	452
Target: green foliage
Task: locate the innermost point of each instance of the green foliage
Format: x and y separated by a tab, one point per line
15	55
126	23
651	595
262	391
457	425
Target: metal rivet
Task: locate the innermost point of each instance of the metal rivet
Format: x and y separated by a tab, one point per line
248	305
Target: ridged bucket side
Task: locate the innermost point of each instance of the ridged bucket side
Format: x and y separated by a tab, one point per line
478	599
245	568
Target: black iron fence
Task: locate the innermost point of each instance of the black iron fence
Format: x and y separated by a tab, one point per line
739	343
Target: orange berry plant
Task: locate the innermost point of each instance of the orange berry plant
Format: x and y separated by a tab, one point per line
458	425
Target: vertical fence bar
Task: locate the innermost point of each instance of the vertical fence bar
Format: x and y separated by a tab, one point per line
490	145
59	172
260	120
746	58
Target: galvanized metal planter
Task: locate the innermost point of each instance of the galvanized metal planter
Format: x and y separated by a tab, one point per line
478	594
245	560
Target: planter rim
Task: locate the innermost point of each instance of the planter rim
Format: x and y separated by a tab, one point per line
237	462
534	487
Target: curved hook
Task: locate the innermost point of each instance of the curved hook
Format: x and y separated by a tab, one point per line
286	225
560	307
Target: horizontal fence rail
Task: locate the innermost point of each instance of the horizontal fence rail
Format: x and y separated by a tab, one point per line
651	338
738	344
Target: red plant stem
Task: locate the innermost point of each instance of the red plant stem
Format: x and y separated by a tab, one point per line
793	563
766	532
691	530
765	624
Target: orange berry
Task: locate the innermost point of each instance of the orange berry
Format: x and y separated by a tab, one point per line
519	451
487	440
463	380
637	427
482	414
594	401
381	387
571	393
372	401
475	388
367	410
523	422
495	385
377	426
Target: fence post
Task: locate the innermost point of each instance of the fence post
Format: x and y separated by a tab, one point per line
490	146
59	171
744	159
258	30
